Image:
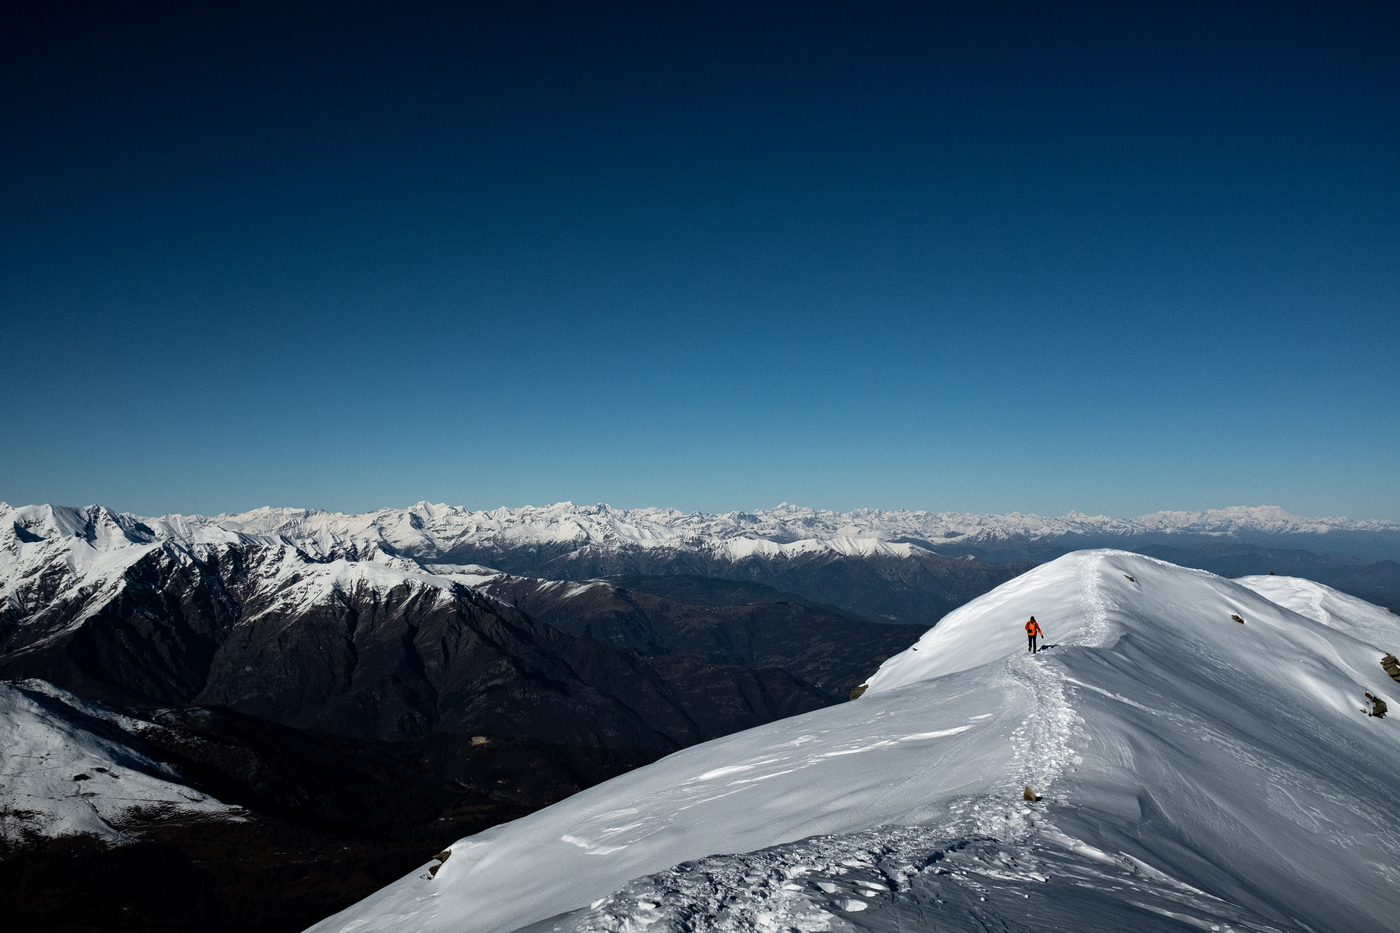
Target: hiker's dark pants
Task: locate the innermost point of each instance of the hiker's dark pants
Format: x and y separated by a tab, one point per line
1032	643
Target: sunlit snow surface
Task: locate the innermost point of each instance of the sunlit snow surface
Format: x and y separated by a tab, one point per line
1197	773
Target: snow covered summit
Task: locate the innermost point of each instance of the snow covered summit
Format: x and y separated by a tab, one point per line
1201	754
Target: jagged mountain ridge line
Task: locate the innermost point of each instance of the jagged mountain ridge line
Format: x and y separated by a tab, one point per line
103	605
427	531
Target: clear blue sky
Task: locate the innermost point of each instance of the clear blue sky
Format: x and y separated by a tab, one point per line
984	257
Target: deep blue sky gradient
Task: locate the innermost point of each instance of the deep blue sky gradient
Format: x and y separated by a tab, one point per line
981	257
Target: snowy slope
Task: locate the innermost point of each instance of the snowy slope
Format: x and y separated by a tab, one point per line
1197	773
1332	608
72	767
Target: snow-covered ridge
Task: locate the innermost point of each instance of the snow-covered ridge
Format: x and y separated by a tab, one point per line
52	557
1199	752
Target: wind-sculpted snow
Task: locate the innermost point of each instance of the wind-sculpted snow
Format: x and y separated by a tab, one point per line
1324	604
1194	772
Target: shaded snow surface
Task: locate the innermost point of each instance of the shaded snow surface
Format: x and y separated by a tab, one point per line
1197	773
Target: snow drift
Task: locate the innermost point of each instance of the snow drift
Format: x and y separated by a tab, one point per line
1195	772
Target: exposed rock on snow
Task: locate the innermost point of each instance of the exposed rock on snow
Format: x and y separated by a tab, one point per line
1194	776
1391	665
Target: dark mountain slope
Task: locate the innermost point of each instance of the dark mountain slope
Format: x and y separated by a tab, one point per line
366	650
915	590
327	820
739	623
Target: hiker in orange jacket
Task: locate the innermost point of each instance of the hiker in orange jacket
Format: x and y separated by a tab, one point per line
1032	630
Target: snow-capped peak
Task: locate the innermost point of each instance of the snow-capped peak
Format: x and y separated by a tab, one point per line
428	531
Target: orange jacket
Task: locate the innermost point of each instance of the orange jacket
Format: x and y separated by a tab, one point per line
1033	628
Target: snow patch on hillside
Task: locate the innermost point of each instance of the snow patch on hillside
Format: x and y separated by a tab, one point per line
71	767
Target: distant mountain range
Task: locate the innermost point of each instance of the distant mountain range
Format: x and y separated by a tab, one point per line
676	628
121	611
443	533
905	558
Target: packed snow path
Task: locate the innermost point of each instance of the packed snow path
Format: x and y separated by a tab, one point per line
1197	772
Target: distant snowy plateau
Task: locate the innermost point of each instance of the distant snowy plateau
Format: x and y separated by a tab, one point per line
1201	750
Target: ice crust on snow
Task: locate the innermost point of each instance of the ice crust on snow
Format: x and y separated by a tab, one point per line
1195	773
